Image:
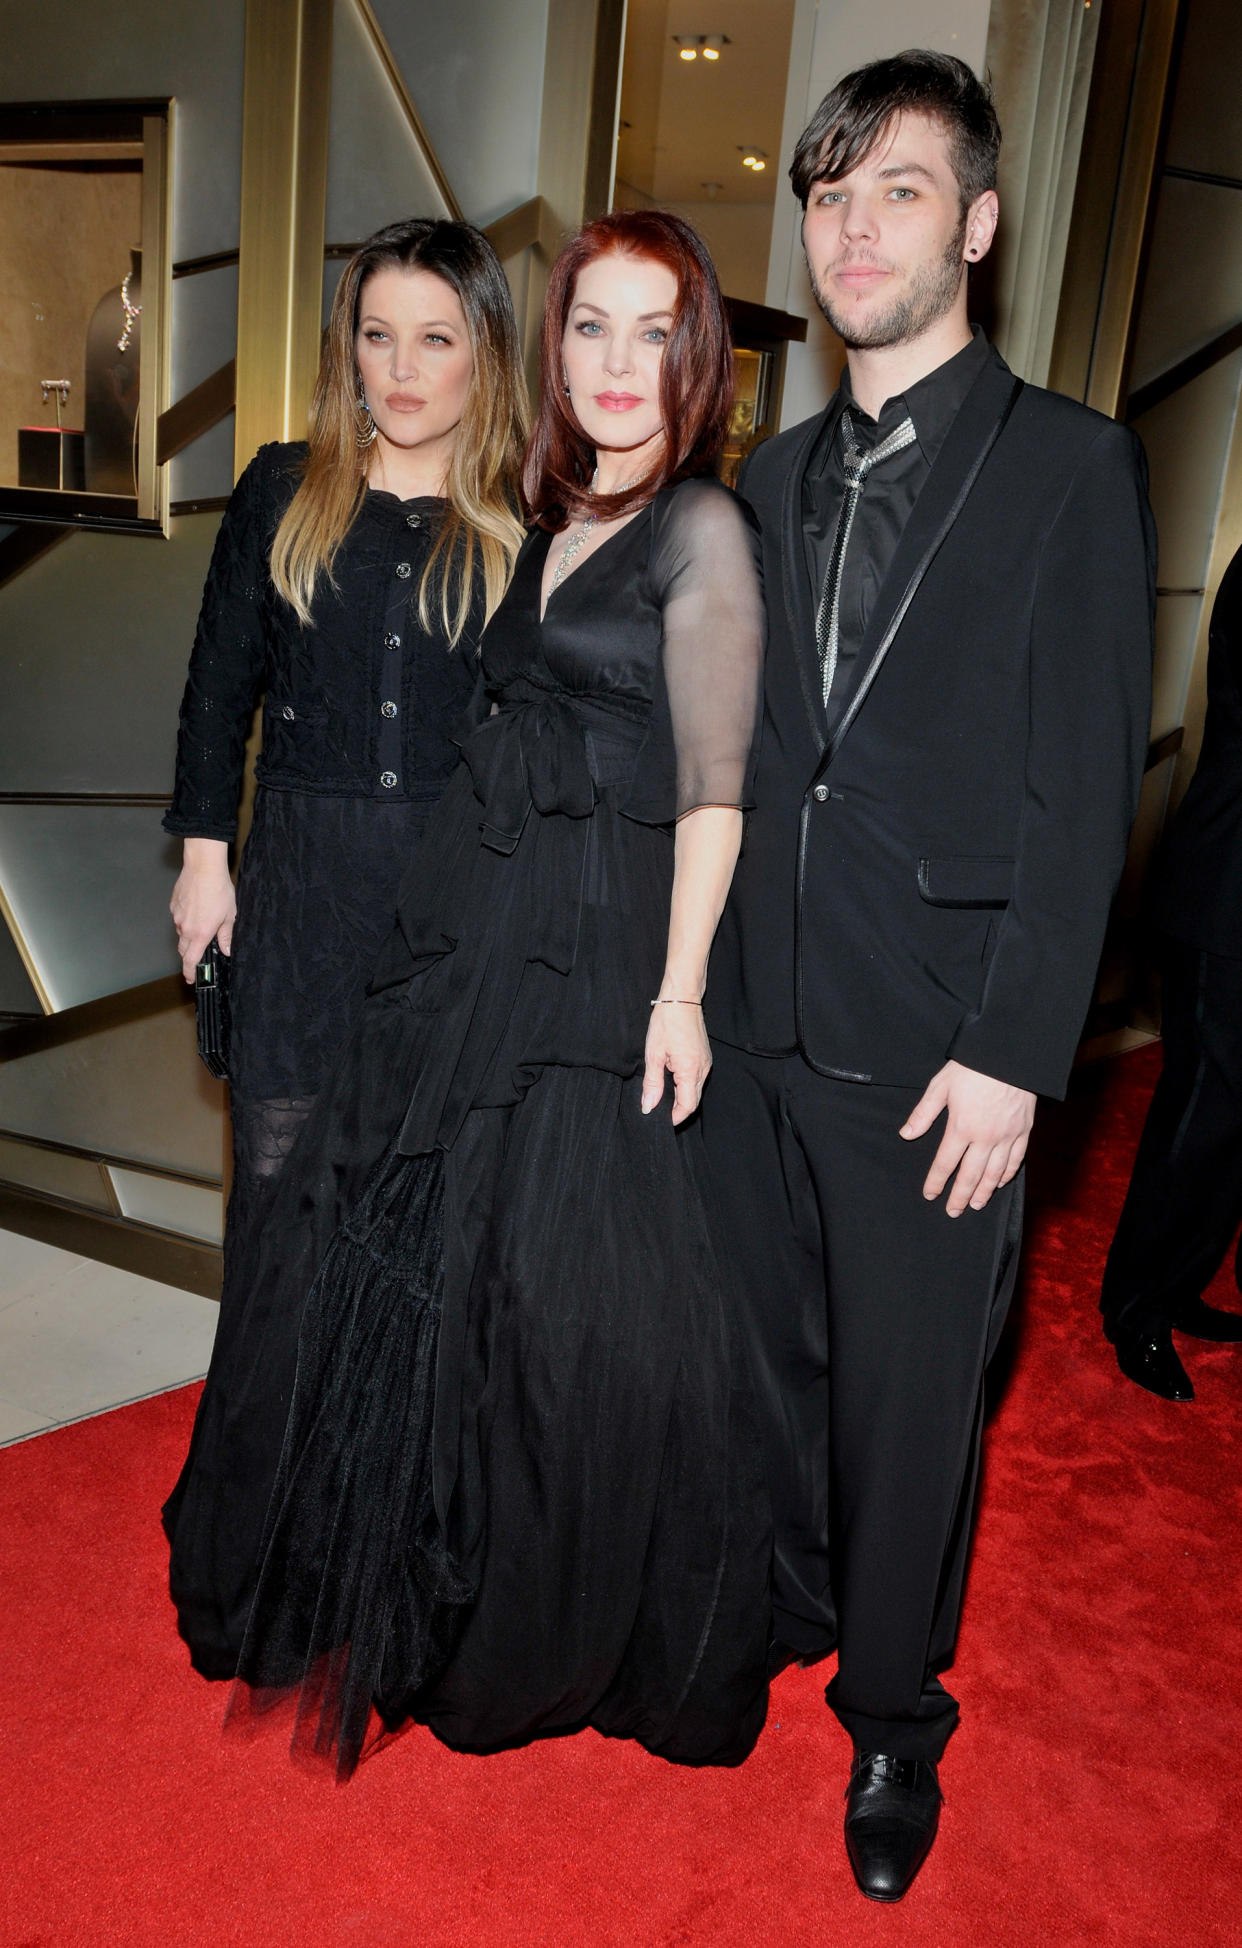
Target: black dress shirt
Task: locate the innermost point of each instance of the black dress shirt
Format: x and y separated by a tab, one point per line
361	704
887	498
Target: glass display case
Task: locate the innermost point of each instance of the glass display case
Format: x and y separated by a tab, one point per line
84	200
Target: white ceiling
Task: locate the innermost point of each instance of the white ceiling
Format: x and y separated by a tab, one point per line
682	121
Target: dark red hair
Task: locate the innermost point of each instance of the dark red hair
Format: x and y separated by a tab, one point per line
696	373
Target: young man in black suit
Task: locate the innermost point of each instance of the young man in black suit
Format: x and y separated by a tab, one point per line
1185	1196
959	577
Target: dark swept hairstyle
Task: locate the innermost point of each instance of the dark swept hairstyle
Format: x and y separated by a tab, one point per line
853	116
481	535
696	374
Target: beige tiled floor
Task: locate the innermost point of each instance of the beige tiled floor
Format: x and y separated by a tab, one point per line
77	1337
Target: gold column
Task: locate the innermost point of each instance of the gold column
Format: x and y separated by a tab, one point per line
1113	208
155	346
284	183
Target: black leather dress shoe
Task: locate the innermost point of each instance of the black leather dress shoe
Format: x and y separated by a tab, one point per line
1148	1359
891	1814
1202	1321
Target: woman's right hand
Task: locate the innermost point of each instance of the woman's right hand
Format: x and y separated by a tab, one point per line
203	903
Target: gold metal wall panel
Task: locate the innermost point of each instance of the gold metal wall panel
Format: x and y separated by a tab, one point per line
135	1089
157	148
1193	288
204	339
378	169
1187	441
75	1178
1177	623
94	643
87	887
284	172
475	73
185	1209
1206	129
1113	210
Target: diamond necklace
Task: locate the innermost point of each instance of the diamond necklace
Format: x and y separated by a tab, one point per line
578	540
132	314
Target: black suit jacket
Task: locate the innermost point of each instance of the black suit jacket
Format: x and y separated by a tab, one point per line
935	881
1199	896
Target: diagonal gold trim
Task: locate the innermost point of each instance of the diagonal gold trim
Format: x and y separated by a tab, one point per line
105	1011
24	546
196	412
187	1263
110	1160
530	226
27	957
396	82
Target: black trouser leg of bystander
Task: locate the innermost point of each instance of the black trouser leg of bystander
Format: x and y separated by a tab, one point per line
895	1327
1185	1196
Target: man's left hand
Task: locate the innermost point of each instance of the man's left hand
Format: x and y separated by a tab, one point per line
985	1135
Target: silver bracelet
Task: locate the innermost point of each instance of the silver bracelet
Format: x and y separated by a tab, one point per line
674	1001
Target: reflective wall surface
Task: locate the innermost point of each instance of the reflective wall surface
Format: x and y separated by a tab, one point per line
515	106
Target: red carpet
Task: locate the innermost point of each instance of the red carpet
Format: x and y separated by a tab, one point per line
1094	1791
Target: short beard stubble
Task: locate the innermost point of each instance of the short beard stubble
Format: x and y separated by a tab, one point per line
933	290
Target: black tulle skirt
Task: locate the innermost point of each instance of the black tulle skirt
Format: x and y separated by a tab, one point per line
544	1511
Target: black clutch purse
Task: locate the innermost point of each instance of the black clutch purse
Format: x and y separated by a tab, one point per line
211	1010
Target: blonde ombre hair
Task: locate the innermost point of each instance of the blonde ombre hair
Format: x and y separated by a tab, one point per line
483	531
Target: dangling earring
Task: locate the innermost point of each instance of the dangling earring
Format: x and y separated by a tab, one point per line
564	382
366	429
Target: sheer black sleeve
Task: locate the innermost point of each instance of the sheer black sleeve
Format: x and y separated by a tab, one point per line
227	661
701	747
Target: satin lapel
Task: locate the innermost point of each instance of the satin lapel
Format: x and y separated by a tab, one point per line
799	603
970	439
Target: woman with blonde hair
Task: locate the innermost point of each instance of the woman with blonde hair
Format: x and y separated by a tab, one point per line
351	580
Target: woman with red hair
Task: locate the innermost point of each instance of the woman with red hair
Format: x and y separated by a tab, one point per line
519	1492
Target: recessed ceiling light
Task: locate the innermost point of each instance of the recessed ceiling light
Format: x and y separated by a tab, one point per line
690	46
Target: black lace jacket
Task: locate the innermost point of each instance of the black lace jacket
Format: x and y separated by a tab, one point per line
361	704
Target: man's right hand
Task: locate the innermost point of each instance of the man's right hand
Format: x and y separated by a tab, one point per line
203	903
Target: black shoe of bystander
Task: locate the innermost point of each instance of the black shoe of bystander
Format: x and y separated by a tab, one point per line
891	1815
1148	1359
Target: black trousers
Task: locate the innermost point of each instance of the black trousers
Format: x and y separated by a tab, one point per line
1185	1195
870	1316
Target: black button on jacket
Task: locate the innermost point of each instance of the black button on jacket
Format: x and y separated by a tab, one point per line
325	728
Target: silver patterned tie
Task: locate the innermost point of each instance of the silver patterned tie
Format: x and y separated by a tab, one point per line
857	465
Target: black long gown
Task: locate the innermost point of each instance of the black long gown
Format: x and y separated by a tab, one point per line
356	749
519	1490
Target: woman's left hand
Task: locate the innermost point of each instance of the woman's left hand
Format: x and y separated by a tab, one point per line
676	1043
